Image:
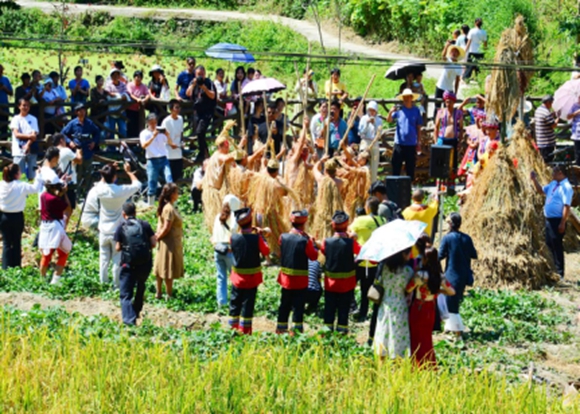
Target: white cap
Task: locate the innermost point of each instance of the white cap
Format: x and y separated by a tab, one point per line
373	105
113	71
233	201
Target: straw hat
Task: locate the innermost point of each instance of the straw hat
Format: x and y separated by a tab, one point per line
273	164
156	68
460	51
408	92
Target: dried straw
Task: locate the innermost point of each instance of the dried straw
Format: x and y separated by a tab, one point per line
328	201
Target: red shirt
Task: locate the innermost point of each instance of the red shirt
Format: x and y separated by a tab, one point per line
346	284
255	279
52	207
292	282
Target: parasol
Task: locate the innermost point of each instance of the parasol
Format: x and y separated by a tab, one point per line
390	239
400	70
262	85
566	96
231	52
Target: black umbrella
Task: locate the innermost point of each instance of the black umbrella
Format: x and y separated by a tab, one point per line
400	70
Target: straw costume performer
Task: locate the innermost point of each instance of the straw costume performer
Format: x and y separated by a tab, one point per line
298	175
328	199
357	175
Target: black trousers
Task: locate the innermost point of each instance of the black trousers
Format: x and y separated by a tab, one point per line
366	276
373	325
577	153
242	303
4	129
555	242
291	301
176	167
472	57
438	95
133	129
71	193
337	303
196	198
404	154
11	226
132	291
312	299
547	153
203	122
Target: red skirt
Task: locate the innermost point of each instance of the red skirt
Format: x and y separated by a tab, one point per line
421	322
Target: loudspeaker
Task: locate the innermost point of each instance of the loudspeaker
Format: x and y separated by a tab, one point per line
440	162
399	190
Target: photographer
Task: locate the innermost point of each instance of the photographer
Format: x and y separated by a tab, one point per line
202	92
82	133
155	142
67	164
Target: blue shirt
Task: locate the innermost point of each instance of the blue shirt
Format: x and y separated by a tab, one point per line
408	122
74	129
3	95
459	250
183	81
78	97
314	275
336	134
558	195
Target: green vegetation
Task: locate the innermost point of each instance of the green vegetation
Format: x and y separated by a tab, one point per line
55	362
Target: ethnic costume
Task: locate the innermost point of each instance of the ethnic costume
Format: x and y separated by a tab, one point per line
215	187
357	183
246	273
340	274
296	248
474	135
239	178
328	200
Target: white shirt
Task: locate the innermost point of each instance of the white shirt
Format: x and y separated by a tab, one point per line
447	79
220	234
13	194
66	158
24	125
90	216
366	129
477	37
158	148
461	41
61	92
316	125
47	97
111	198
197	178
220	88
174	129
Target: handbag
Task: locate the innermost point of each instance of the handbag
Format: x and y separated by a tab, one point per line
377	291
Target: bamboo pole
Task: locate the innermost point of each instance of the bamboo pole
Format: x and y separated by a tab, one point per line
356	113
327	139
242	114
375	140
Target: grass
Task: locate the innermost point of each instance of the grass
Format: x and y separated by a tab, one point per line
57	366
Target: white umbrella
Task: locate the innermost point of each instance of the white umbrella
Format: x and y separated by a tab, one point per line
566	96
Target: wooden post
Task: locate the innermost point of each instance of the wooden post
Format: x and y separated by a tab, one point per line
242	114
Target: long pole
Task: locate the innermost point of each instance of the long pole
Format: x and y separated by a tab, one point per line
242	118
327	139
356	113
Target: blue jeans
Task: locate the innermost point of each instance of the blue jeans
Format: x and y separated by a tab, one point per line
27	164
119	125
223	262
156	166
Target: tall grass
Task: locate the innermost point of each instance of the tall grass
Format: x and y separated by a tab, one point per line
74	374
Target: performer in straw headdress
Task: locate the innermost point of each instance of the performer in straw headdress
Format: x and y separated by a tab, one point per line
357	173
328	199
242	174
298	175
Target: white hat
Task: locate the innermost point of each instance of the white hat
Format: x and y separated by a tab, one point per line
528	106
113	71
408	92
155	68
373	105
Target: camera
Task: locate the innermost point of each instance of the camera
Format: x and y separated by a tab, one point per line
199	80
82	139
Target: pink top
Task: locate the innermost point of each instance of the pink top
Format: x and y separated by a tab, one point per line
140	91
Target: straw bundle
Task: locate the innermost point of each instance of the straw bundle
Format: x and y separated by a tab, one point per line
328	201
239	181
359	182
508	84
503	215
304	186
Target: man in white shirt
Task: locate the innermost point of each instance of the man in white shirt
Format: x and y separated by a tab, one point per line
449	79
367	129
154	142
317	127
24	129
173	124
110	199
67	163
475	39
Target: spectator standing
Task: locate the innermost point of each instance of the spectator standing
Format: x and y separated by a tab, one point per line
458	250
24	135
449	129
196	187
221	87
387	208
314	290
337	127
79	87
169	259
117	92
202	92
546	122
173	124
317	126
236	87
54	214
476	43
23	91
224	227
111	198
99	97
334	88
67	164
422	212
50	97
58	88
559	194
158	88
407	133
134	239
574	116
462	39
184	79
154	142
368	127
451	75
84	134
139	94
13	193
5	91
354	136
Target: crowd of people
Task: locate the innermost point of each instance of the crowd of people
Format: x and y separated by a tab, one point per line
323	176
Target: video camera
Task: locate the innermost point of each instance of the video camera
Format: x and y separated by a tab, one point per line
82	139
130	157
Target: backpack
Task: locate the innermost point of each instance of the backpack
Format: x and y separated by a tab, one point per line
396	212
136	247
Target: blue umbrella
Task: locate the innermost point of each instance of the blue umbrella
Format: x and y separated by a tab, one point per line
231	52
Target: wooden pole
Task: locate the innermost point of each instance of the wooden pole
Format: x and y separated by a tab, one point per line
242	117
356	113
327	139
374	141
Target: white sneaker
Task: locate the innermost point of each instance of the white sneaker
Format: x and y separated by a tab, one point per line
151	200
55	280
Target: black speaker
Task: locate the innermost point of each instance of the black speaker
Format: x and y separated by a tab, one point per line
440	162
399	190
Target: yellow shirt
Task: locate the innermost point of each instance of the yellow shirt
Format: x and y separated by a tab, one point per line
336	87
364	226
425	216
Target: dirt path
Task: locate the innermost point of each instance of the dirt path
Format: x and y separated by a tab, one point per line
349	43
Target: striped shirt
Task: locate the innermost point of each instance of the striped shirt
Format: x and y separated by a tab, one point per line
545	135
314	273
